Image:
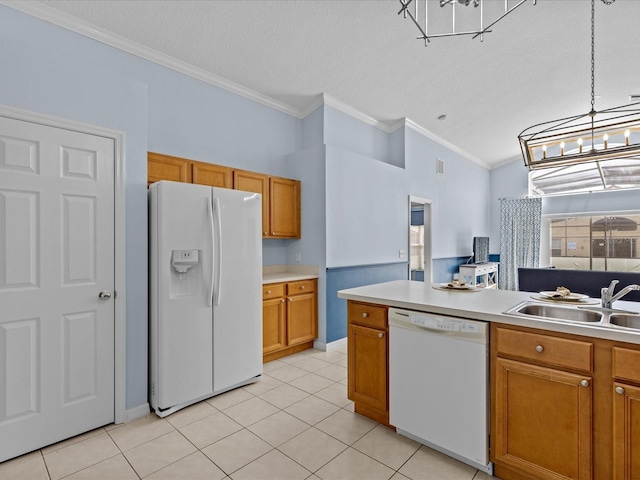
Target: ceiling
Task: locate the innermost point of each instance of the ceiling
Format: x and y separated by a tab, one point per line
533	67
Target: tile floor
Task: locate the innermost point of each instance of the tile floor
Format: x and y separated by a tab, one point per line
296	423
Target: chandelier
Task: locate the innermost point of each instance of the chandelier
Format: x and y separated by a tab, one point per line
421	16
610	137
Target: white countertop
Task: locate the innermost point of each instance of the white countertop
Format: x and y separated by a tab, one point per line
285	277
486	304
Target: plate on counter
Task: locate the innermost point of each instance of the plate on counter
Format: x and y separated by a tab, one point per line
462	288
571	297
585	300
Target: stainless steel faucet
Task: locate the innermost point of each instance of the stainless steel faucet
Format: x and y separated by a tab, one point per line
607	293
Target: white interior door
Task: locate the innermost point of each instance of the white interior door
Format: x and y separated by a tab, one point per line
56	256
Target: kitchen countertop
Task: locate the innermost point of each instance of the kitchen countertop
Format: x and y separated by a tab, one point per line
285	277
487	305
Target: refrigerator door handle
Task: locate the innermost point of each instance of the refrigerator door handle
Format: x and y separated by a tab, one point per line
217	294
213	262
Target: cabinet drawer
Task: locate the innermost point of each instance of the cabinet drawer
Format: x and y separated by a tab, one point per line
626	364
272	290
304	286
367	315
546	349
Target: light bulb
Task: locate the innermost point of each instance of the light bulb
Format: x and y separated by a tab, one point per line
561	148
580	145
605	137
627	134
544	151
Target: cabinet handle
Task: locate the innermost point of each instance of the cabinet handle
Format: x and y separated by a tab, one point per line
584	383
539	349
380	335
365	315
619	390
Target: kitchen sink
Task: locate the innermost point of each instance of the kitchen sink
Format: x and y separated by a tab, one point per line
568	314
625	320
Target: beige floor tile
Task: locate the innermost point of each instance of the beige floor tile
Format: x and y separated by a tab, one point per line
80	455
272	365
483	476
264	385
336	394
113	426
28	467
210	429
272	466
346	427
311	383
113	468
237	450
278	428
333	372
158	453
352	464
140	431
386	446
284	395
251	411
331	356
312	449
191	414
193	467
350	407
72	440
288	373
296	357
399	476
230	398
312	409
310	364
427	464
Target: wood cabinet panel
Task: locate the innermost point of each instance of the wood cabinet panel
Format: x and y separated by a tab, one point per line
367	366
302	324
543	421
626	432
212	175
284	207
545	349
304	286
626	364
256	183
165	167
273	290
273	325
367	315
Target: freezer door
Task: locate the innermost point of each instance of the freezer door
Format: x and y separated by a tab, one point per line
237	292
181	329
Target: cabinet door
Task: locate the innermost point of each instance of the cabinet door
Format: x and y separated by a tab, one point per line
367	366
165	167
626	432
212	175
273	325
302	321
257	183
284	207
543	421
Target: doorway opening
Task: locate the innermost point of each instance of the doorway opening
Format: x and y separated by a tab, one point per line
420	240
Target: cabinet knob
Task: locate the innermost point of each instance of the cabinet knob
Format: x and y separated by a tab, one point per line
301	287
620	390
265	233
273	233
584	383
290	299
539	349
380	335
282	301
268	291
365	315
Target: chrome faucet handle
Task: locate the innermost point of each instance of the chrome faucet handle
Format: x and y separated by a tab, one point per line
606	294
612	287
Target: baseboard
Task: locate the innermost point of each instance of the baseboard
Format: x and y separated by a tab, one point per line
137	412
340	344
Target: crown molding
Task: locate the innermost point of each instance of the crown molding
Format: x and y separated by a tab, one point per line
61	19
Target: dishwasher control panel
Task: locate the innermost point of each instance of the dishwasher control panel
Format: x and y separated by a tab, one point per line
439	323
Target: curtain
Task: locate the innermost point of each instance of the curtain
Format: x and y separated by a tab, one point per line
520	223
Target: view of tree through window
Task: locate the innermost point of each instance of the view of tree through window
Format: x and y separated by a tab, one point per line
610	243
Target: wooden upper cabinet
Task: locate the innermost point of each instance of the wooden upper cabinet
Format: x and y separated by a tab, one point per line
165	167
256	183
212	175
284	206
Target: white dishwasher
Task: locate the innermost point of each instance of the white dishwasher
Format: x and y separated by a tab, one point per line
438	383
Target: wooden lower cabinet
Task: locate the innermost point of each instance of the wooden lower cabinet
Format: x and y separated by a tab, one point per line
368	363
289	318
626	431
543	420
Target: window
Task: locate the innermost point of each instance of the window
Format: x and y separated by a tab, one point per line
596	242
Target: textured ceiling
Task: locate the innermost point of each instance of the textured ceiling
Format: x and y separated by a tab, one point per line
533	67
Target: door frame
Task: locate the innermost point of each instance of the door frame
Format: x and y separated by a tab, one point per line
120	293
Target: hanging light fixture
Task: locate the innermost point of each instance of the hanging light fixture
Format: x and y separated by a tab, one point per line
605	136
421	20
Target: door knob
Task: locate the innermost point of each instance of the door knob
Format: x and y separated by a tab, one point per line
104	295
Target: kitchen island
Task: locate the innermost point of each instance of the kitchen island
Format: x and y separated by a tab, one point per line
565	395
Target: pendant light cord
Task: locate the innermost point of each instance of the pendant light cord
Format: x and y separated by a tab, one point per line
593	74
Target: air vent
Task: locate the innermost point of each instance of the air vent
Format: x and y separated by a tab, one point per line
439	166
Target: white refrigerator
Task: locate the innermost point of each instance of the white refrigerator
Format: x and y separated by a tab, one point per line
205	291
